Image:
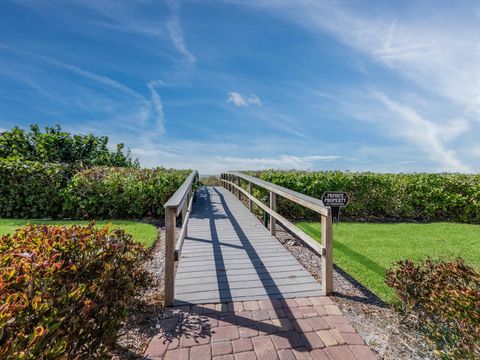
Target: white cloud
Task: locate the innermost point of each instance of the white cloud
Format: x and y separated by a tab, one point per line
176	32
243	101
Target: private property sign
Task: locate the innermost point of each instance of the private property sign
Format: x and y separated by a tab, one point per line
335	200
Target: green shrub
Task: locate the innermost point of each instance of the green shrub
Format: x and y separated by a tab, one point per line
102	192
30	189
424	197
65	290
55	145
446	300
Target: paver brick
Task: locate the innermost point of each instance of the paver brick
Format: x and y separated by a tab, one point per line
319	354
187	340
345	328
303	302
251	305
277	313
308	311
179	354
227	320
311	341
280	342
244	318
327	337
302	354
294	313
266	327
222	348
333	310
246	332
238	306
224	357
286	355
260	315
362	352
321	300
225	333
353	339
157	347
242	345
264	348
302	325
341	352
282	325
248	355
201	352
289	303
318	323
320	310
338	336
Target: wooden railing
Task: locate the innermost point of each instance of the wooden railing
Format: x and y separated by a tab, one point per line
179	203
232	180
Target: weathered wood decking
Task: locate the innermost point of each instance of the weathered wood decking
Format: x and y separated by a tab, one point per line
229	255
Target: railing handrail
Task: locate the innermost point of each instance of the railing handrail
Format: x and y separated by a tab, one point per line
178	198
180	202
302	199
231	181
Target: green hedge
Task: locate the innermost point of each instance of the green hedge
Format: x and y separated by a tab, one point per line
30	189
103	192
423	197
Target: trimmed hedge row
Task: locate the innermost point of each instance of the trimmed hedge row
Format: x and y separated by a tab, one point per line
64	291
422	197
30	189
103	192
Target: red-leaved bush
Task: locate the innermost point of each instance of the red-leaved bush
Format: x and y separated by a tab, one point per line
445	297
64	291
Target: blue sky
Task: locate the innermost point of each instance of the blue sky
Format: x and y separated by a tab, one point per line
385	86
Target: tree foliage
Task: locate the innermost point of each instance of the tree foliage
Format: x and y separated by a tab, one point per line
56	145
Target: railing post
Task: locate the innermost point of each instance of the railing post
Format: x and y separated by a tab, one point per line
238	190
250	202
273	206
170	226
327	258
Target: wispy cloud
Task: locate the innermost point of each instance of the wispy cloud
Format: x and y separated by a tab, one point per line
243	101
157	105
403	121
281	162
176	31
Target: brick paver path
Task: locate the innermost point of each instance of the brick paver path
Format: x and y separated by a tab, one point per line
301	328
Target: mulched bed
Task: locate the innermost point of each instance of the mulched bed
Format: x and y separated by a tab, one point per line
145	314
380	325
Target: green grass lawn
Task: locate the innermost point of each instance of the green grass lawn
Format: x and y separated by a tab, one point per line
145	234
367	250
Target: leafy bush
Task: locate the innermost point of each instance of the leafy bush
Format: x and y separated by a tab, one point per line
102	192
55	145
425	197
64	291
31	189
446	299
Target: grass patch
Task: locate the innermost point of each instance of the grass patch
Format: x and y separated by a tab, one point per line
145	234
367	250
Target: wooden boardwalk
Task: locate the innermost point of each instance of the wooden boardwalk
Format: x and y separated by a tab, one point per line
228	255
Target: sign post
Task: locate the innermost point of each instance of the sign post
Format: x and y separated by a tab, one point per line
335	200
